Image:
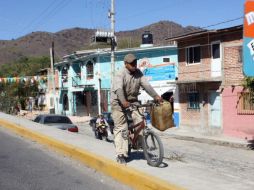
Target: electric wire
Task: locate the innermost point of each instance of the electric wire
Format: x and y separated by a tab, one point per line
50	11
209	26
60	6
41	15
145	11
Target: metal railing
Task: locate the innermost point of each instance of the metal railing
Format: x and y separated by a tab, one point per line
76	81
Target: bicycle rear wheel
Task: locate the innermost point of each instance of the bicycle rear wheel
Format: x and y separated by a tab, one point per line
153	148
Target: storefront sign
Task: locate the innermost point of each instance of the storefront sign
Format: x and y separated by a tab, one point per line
248	39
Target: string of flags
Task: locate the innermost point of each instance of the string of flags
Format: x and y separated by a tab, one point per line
25	79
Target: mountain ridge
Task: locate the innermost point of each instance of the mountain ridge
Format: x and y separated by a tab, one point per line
72	39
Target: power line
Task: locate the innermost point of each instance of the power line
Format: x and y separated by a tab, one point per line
45	14
191	39
223	22
212	25
151	10
39	17
61	5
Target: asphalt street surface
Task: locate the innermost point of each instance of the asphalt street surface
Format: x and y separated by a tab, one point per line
26	165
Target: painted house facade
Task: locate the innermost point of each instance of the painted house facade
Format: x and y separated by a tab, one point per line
211	97
45	95
85	77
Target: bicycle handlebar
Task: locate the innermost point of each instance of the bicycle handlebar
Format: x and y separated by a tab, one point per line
136	106
144	105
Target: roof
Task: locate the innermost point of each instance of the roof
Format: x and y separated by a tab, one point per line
77	55
201	32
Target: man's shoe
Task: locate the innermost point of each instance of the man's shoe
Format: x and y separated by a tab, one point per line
121	159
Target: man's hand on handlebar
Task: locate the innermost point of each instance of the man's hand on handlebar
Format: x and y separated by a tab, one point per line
158	99
126	104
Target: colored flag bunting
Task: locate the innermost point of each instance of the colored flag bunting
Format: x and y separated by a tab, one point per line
25	79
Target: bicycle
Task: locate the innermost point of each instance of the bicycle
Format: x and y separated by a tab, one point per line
150	142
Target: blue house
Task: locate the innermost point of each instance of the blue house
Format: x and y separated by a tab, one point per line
85	77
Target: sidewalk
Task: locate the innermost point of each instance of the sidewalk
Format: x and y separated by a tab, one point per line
100	155
178	133
184	134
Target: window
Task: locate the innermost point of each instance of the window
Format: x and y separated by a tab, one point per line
166	59
89	70
51	101
240	54
193	55
37	119
65	102
193	100
246	103
65	73
77	70
57	119
216	51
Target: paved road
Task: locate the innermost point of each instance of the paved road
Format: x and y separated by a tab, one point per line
193	163
26	165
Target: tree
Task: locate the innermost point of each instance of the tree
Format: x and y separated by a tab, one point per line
12	93
249	83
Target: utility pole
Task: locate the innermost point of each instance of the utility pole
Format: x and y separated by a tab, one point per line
103	36
99	84
52	74
113	40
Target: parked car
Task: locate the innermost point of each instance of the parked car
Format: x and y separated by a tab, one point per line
58	121
107	116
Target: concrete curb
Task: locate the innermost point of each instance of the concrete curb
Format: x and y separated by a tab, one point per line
125	174
226	141
213	141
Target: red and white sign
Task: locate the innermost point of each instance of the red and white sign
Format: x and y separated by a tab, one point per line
249	19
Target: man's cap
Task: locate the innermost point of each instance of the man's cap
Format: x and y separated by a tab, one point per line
129	58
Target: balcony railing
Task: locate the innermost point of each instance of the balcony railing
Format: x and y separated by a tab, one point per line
76	81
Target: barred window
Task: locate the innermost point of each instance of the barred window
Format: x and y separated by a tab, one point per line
193	100
89	70
245	103
65	73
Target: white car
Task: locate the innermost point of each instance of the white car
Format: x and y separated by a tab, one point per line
59	121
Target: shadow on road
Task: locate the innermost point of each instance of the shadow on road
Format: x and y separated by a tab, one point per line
251	144
139	155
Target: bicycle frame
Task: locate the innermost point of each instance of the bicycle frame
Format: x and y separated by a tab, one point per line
151	144
135	130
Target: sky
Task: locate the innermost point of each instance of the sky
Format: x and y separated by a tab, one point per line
21	17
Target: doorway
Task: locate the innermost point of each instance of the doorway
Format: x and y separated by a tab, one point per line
215	109
215	59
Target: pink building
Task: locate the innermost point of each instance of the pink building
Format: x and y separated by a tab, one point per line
211	96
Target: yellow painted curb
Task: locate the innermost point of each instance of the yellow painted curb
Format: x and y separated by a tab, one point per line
124	174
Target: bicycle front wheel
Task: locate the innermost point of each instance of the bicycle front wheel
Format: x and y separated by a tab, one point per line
153	148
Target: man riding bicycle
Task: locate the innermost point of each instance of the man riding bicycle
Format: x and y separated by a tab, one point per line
125	90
